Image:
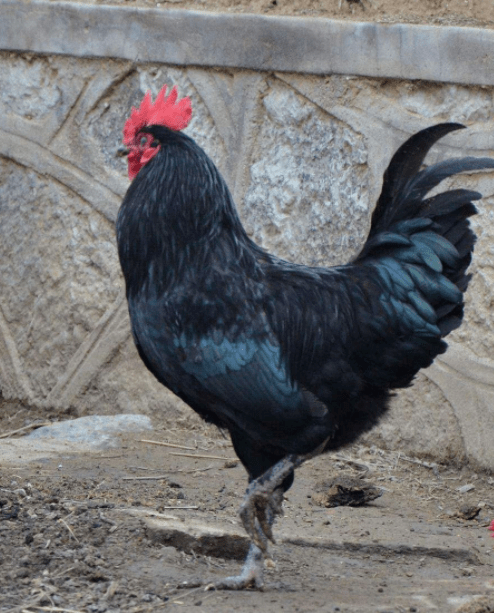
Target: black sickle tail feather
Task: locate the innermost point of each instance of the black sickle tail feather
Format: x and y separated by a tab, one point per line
421	248
394	203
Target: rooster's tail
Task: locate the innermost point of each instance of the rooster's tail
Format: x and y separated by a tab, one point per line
424	245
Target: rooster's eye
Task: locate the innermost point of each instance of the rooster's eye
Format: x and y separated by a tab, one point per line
143	141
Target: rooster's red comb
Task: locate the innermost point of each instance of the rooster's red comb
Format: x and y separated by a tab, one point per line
165	111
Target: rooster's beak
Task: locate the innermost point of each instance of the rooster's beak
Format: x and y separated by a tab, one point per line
121	152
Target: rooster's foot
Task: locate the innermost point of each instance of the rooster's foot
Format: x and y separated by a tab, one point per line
252	574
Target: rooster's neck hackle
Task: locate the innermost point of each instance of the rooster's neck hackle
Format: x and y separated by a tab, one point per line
178	216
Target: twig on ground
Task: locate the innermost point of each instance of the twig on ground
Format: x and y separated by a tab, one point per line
201	457
62	521
194	470
57	609
24	428
157	478
64	572
197	588
12	417
186	508
431	465
358	465
143	440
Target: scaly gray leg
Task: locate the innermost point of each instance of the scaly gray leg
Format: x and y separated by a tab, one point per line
263	501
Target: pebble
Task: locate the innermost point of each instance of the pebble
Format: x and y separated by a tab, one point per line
466	488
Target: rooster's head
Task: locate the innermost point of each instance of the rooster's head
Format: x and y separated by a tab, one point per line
165	111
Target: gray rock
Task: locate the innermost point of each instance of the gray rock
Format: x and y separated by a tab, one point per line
97	431
68	438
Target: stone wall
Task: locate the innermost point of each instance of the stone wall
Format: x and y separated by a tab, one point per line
303	156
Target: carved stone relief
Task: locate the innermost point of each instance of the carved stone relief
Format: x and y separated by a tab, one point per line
304	158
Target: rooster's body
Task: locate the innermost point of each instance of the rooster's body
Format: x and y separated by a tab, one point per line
291	360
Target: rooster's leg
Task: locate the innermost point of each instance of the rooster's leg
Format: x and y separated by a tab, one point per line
263	501
264	498
252	574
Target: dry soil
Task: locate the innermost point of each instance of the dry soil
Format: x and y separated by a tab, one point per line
473	13
73	532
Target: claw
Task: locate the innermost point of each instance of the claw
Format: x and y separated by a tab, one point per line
252	574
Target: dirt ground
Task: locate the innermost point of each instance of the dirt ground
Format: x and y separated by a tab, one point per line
73	532
473	13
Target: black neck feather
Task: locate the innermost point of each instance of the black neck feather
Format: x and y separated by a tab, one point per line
178	218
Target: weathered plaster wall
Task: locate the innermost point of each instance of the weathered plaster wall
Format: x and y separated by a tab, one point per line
304	157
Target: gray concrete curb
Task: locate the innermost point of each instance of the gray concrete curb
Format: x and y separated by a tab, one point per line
291	44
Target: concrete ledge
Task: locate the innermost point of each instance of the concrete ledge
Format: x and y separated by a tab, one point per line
291	44
226	541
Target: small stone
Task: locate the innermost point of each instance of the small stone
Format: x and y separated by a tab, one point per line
468	511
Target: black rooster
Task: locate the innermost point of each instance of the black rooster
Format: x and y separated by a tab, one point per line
292	360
